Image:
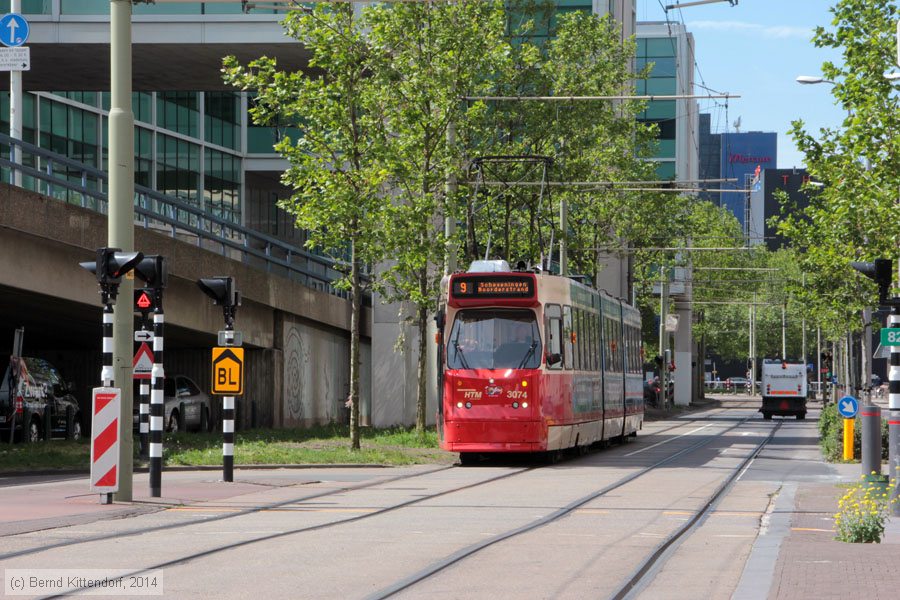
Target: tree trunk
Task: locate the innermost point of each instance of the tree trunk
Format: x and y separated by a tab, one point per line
356	310
421	371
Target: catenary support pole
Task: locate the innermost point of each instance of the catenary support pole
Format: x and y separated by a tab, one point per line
121	221
157	402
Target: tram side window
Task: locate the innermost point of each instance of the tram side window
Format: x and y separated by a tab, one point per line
568	334
595	342
553	313
581	341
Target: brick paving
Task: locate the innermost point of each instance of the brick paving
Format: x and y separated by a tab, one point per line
812	564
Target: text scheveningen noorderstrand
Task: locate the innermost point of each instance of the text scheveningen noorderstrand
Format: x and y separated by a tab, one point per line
87	582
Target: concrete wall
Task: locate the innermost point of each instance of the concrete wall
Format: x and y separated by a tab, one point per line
296	338
394	368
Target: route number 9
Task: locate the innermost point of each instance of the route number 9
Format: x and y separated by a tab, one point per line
463	287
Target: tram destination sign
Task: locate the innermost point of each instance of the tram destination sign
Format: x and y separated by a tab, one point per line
507	286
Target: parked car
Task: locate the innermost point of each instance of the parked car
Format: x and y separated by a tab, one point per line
36	389
180	390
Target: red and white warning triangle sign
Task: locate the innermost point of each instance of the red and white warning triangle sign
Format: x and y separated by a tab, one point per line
143	362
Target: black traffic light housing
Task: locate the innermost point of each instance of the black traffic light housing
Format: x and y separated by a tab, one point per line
111	265
224	293
153	271
881	272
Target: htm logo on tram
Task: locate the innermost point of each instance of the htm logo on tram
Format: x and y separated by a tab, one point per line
228	371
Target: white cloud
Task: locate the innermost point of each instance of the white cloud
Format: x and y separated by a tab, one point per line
774	31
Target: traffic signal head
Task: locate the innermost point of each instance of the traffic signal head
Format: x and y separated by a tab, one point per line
152	269
112	264
221	289
881	272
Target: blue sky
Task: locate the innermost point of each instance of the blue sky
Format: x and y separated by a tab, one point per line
756	50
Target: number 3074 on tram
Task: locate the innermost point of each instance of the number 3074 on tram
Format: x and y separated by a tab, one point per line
533	362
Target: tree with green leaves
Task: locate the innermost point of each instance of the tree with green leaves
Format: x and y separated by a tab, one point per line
426	56
337	171
854	215
577	54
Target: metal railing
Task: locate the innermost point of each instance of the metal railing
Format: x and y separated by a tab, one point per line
70	181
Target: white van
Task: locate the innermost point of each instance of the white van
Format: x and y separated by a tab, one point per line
783	388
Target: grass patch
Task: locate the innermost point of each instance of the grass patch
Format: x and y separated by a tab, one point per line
41	456
327	444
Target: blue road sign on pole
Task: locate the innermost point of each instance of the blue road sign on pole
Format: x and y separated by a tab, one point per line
848	406
13	30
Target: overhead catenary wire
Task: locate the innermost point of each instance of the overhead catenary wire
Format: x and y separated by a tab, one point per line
594	98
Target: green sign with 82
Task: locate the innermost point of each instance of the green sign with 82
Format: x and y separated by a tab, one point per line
890	336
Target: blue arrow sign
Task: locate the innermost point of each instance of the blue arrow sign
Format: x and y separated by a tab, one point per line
13	30
848	406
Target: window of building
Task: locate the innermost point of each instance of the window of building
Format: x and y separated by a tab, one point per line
222	123
178	112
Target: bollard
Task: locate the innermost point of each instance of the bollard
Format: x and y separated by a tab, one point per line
181	420
870	417
70	422
47	422
848	438
253	414
204	419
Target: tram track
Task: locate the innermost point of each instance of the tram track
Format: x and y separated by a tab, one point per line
467	551
205	520
310	528
644	573
254	509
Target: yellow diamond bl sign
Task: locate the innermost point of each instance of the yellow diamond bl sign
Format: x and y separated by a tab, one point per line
228	371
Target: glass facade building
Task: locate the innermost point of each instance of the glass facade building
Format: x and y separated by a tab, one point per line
668	49
186	144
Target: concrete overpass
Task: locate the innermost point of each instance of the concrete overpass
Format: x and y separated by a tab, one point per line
297	338
171	52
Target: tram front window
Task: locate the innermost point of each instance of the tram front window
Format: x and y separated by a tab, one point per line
494	339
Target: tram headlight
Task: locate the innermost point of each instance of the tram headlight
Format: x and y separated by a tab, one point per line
524	405
515	405
468	405
459	405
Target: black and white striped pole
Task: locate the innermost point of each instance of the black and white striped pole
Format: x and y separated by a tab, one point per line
894	414
227	363
142	336
154	272
109	268
157	376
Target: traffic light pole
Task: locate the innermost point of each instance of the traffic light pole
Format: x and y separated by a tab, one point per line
157	406
107	372
228	412
894	416
144	422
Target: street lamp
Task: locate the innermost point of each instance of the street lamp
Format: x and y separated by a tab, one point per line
813	79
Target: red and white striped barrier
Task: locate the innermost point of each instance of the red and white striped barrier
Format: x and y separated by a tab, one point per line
105	440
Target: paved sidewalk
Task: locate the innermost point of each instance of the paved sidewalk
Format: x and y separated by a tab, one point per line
33	506
812	564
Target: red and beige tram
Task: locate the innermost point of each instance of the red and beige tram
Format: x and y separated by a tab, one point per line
532	362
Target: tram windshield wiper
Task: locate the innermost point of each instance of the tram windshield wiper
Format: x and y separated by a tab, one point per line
528	355
460	355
